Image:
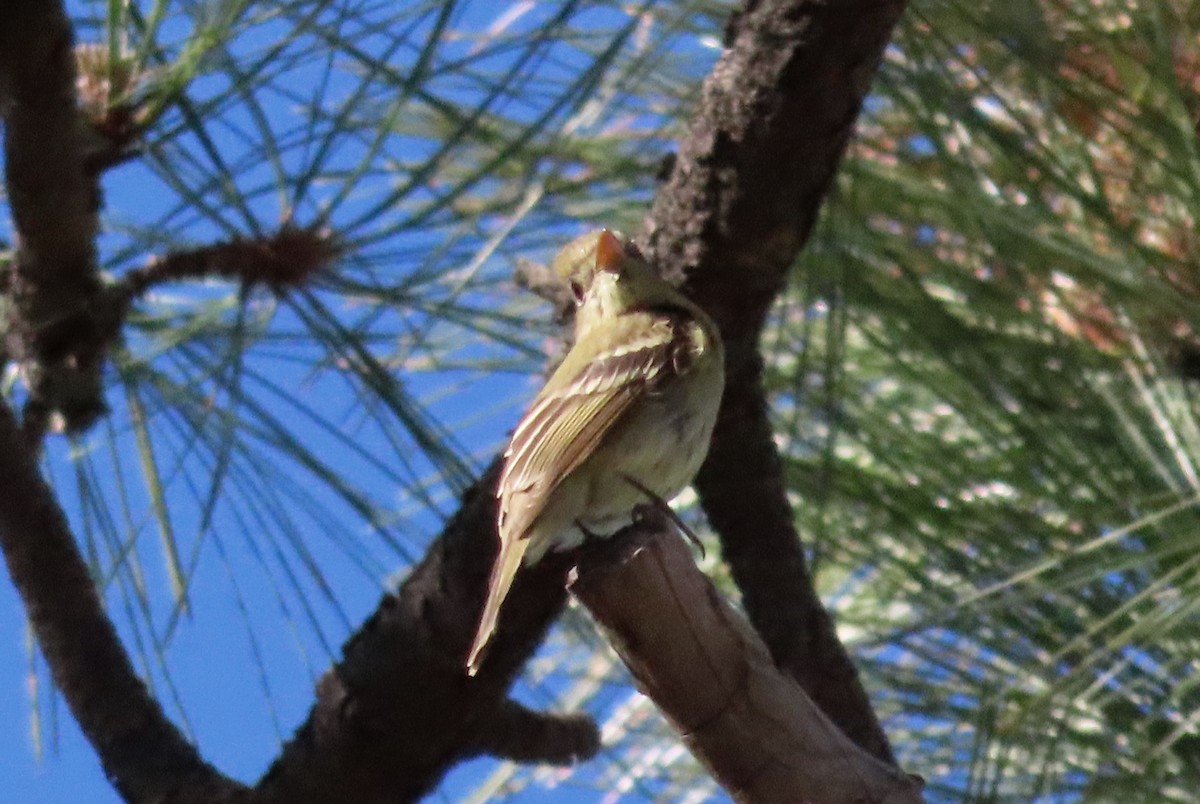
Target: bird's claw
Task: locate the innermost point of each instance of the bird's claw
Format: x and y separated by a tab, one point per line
657	505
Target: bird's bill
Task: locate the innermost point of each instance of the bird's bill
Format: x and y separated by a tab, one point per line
610	252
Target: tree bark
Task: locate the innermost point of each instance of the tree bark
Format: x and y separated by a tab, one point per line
49	325
739	204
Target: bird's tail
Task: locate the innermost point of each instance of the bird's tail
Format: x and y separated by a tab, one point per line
503	572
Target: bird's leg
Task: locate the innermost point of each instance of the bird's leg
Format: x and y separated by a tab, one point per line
660	505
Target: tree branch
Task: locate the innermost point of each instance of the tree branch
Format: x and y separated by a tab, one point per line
753	727
144	755
519	734
740	201
399	710
289	257
54	199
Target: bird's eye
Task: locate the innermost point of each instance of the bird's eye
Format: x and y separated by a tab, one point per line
577	291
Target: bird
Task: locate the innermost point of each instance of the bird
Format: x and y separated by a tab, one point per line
628	412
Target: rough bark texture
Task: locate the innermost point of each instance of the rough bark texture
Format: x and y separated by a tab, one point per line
53	200
517	733
762	738
144	756
739	203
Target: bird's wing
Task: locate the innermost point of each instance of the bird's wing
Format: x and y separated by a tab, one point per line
570	418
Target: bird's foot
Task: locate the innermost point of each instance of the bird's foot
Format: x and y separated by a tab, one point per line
656	505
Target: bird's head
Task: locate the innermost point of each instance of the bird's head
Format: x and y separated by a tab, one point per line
609	277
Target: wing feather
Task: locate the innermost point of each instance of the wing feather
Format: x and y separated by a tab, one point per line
568	421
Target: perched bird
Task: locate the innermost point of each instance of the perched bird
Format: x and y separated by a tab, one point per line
632	404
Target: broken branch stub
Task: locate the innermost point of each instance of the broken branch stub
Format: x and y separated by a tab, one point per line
754	728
